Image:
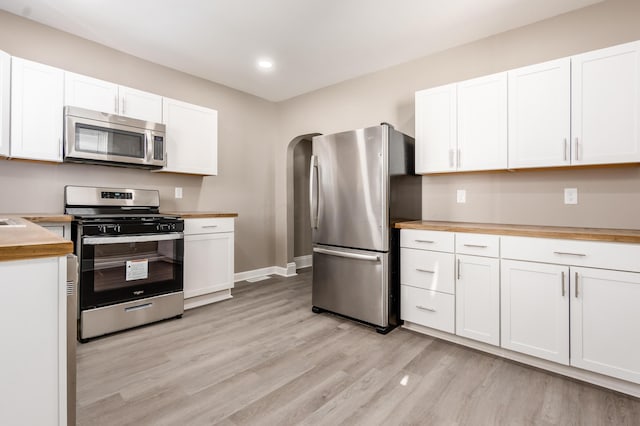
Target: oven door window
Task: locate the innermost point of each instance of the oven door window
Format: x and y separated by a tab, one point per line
101	140
114	271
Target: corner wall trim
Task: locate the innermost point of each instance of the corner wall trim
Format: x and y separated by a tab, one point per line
303	261
289	271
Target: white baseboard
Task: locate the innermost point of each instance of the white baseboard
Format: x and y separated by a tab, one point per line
289	271
303	261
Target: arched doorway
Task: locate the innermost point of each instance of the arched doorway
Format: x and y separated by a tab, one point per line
298	224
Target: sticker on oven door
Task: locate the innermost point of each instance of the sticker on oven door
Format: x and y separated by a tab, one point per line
137	269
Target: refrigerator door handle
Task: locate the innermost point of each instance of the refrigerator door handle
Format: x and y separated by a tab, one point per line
374	258
313	191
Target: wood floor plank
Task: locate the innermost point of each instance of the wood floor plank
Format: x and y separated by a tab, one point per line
263	358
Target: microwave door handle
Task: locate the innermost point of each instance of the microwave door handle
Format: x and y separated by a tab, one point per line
94	241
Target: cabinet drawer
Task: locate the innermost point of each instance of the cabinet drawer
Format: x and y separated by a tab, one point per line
478	244
624	257
208	225
427	240
431	270
429	308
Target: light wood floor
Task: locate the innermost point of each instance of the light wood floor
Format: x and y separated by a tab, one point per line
264	358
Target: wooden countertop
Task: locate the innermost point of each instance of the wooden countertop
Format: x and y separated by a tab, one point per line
30	241
47	218
560	232
199	215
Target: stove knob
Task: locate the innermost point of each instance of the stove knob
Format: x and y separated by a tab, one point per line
117	228
102	228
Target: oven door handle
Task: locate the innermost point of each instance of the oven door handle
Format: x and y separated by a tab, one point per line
94	241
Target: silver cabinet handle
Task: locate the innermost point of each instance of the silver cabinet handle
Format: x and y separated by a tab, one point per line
475	245
94	241
138	307
451	158
563	290
424	308
577	141
424	241
576	285
564	149
458	160
356	256
209	226
115	104
124	103
425	270
458	268
566	253
313	191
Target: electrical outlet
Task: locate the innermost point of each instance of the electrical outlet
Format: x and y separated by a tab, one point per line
178	192
571	195
461	196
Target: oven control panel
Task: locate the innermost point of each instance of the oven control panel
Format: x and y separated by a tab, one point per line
112	195
130	227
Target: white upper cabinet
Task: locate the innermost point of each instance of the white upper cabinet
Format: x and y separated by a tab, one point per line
540	115
192	138
135	103
606	105
5	99
482	123
90	93
436	129
37	93
99	95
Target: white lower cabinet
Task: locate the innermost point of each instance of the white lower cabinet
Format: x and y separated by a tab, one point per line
427	290
208	260
478	298
429	308
34	346
605	322
574	303
535	309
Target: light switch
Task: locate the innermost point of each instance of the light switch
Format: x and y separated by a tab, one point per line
571	195
178	192
461	196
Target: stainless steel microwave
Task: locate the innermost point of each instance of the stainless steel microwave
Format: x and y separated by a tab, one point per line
101	138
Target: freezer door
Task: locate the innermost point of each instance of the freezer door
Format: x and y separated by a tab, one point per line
351	282
349	188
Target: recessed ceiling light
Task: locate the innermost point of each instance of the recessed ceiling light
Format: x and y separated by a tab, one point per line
265	64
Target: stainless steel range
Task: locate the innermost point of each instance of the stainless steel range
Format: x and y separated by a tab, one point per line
131	258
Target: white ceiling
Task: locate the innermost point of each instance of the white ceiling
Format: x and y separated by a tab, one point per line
313	43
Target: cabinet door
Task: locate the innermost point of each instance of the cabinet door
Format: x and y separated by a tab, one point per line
90	93
606	105
605	322
482	123
436	129
540	114
33	378
141	105
37	92
535	309
208	263
478	298
5	98
192	138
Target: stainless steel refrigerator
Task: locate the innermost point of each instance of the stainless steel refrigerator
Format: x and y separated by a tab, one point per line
361	181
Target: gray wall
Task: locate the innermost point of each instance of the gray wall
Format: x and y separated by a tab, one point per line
301	219
608	197
246	138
